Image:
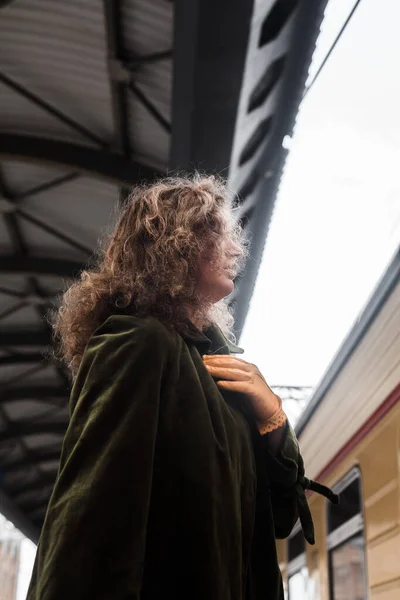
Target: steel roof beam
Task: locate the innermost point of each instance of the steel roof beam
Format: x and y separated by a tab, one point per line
31	265
12	211
24	337
210	46
54	232
32	460
21	252
33	392
122	69
115	50
18	430
133	62
99	163
261	215
12	310
12	293
150	107
52	110
22	359
31	507
47	186
14	514
47	479
38	512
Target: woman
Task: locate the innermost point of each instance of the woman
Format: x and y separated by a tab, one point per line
178	467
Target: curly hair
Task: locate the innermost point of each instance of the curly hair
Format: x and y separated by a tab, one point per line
148	264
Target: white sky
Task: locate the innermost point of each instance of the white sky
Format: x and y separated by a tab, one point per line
337	217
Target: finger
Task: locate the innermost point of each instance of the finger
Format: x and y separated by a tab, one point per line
227	359
221	359
262	377
226	356
229	373
235	386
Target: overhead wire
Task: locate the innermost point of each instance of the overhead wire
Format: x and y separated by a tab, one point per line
339	35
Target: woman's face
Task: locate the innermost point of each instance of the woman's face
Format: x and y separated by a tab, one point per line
216	281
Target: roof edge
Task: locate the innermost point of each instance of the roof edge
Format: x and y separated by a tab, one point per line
272	161
375	303
9	510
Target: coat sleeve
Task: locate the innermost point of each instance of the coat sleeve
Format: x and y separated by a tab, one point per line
92	543
285	470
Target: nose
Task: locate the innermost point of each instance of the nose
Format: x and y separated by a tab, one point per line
233	249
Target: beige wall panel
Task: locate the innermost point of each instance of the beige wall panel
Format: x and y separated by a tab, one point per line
383	558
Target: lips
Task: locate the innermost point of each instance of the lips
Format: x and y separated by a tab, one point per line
231	273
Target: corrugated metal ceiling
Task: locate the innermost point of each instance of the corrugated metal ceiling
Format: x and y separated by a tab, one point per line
57	50
94	73
56	82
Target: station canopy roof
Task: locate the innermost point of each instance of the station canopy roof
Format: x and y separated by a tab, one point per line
95	97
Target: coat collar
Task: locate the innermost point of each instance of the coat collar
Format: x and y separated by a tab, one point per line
211	341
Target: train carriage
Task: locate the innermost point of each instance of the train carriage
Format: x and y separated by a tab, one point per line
350	439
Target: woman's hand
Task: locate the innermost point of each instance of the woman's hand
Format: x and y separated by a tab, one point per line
240	376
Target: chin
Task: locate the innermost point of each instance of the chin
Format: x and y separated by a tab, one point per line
218	288
226	287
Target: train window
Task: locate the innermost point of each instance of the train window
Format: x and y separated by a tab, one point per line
296	545
349	507
298	585
298	580
346	544
347	566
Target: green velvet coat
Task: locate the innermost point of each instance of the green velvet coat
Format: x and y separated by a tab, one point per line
165	487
